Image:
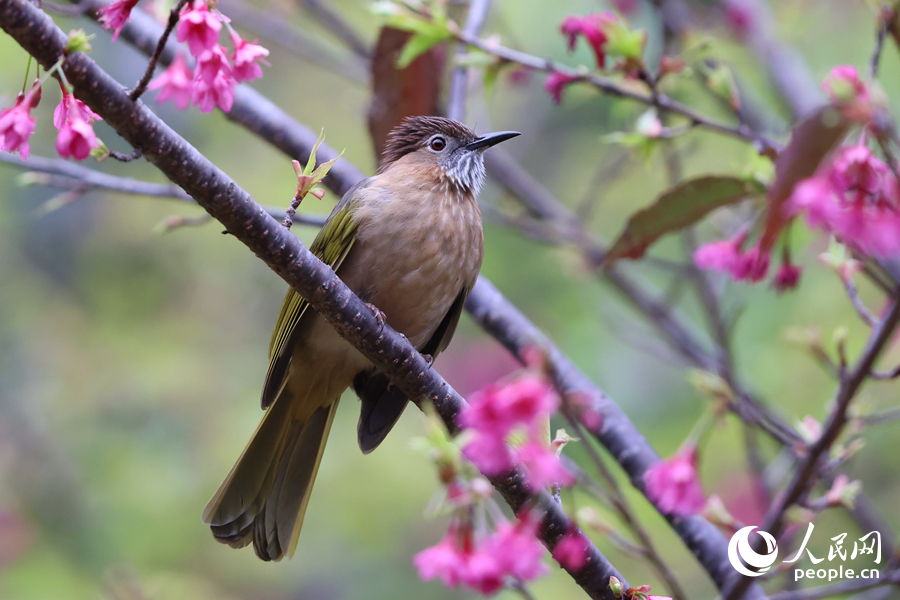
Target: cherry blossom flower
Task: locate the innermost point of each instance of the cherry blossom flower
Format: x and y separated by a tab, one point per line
71	107
727	255
446	560
212	62
174	83
592	27
17	124
556	83
498	409
76	139
787	277
571	552
113	16
673	484
543	466
855	198
489	453
219	92
198	27
844	85
517	549
245	58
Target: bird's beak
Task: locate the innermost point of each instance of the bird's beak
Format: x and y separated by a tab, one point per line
490	139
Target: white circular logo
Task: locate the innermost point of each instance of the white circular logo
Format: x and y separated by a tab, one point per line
740	553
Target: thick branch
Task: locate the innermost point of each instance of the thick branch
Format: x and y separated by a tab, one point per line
281	251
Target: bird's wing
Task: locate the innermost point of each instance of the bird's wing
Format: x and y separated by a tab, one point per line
331	247
444	333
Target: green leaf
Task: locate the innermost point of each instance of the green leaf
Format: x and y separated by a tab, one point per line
420	43
683	205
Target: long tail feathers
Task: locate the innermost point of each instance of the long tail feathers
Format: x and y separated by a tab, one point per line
264	497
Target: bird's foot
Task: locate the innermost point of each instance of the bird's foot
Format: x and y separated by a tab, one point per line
379	315
429	359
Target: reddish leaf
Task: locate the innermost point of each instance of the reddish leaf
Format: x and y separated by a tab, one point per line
675	209
811	141
399	93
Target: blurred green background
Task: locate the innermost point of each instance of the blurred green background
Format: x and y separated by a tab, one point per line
131	362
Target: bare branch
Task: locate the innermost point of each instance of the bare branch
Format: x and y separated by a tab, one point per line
840	587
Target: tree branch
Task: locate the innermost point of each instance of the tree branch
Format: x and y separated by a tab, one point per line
459	78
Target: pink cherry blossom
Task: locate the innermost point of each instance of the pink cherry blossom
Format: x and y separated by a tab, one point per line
174	83
844	85
556	84
71	108
198	27
727	255
543	466
219	92
571	552
497	409
489	453
76	139
17	124
517	549
593	28
245	58
673	484
787	277
483	572
212	62
446	560
855	197
114	15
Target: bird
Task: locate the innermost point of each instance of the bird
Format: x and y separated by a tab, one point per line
409	242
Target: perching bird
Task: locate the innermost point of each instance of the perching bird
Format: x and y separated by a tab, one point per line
408	241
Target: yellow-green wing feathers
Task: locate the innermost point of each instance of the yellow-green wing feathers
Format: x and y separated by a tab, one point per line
331	246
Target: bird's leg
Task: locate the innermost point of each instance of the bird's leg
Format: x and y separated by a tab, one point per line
379	315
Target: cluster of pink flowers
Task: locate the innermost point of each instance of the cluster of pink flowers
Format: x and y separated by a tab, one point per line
481	563
76	138
214	77
855	197
673	484
497	411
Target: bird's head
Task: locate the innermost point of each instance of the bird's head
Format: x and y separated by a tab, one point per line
453	150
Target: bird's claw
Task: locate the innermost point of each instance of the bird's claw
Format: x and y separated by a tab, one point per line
429	359
379	315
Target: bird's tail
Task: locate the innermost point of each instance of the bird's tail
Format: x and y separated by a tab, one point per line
264	497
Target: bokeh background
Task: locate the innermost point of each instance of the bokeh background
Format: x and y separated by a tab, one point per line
131	361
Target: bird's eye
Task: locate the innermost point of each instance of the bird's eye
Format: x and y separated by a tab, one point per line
438	144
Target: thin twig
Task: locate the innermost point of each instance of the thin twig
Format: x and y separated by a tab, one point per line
134	154
607	86
333	21
141	86
864	313
67	174
459	78
883	22
880	418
